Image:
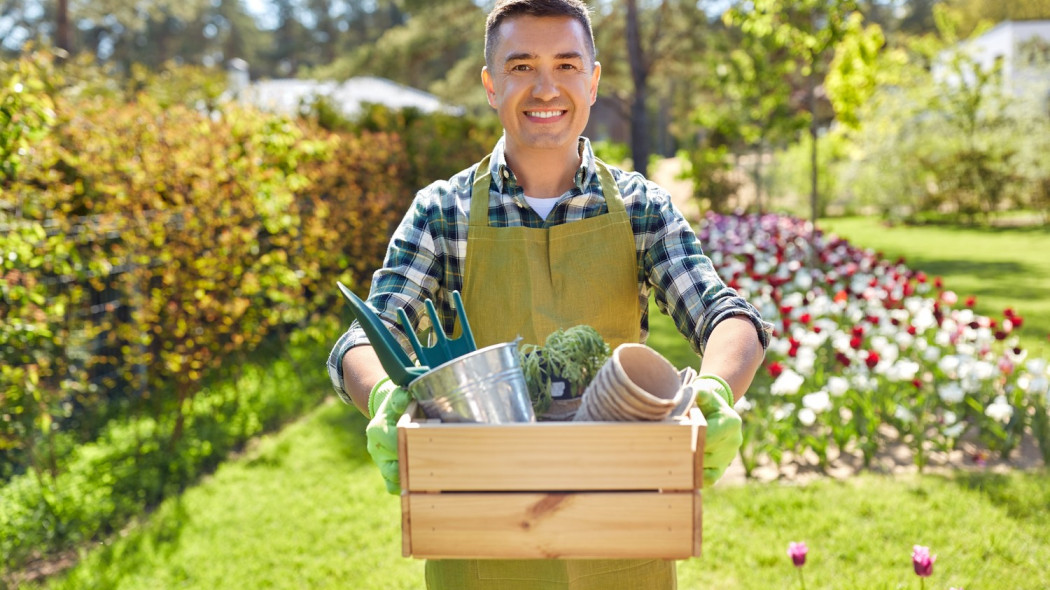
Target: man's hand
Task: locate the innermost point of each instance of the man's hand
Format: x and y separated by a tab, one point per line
386	403
724	427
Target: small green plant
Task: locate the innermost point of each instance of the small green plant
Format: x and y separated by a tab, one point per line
573	355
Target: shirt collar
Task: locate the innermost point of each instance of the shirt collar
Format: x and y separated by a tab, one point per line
504	179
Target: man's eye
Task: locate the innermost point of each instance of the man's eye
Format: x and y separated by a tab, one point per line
520	68
568	66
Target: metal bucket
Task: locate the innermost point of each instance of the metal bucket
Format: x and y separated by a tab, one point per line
486	386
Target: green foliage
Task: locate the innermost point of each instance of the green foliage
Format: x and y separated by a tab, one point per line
213	228
791	176
817	42
710	170
611	152
128	468
959	143
574	354
852	79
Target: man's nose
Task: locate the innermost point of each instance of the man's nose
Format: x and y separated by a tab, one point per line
544	86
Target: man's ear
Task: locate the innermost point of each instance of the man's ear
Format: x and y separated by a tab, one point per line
595	76
490	89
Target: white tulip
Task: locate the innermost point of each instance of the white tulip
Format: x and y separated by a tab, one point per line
1039	384
788	383
949	365
807	417
951	392
781	412
984	370
903	414
1036	366
932	354
805	360
838	386
999	410
742	405
818	401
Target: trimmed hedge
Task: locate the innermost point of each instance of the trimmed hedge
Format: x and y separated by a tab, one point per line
152	236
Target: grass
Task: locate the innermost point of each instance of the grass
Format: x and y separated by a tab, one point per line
305	508
1002	267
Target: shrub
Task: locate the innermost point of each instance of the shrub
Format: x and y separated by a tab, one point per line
149	246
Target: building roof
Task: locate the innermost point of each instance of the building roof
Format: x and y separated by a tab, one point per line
289	95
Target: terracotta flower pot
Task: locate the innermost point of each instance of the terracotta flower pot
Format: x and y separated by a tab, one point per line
636	383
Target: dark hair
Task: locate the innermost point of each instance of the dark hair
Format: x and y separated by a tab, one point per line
506	9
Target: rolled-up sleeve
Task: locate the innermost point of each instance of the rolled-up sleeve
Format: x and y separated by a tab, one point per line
686	284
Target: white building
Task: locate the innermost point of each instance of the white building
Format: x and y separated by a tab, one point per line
1022	49
291	95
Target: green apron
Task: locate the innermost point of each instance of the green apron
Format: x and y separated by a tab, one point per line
529	282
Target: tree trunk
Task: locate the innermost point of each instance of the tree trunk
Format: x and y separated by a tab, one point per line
639	75
62	39
758	177
813	153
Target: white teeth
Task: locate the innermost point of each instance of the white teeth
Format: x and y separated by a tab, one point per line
543	114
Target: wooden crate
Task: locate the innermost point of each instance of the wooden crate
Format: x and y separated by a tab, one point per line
551	489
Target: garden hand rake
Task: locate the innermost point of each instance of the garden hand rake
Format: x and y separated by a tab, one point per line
396	363
445	349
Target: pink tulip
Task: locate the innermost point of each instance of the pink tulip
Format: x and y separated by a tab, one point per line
922	561
797	553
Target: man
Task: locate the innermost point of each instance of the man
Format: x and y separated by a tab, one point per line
540	236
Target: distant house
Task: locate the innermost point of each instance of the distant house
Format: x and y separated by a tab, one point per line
292	95
1022	49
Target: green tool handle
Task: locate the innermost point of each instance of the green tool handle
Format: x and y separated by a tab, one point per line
398	366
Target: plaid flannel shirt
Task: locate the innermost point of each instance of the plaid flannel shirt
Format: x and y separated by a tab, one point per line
425	258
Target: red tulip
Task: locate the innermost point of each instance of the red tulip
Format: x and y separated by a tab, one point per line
872	360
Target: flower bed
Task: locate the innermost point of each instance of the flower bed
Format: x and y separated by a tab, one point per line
868	353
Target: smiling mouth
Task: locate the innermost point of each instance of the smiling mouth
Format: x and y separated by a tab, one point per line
544	114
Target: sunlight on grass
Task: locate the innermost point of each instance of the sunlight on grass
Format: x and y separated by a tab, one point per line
304	509
1002	267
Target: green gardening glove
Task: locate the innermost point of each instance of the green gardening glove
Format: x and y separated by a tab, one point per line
386	403
724	433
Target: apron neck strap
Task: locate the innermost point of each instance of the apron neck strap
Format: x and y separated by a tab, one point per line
479	193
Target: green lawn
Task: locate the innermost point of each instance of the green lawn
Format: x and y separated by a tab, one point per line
1002	267
306	509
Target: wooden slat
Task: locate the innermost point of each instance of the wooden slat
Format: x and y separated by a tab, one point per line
696	417
557	456
698	522
402	451
525	526
406	526
403	425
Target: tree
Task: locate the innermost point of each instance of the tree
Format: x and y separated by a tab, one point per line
143	31
644	48
751	105
811	31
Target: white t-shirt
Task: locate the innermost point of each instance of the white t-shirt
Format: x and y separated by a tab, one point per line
541	206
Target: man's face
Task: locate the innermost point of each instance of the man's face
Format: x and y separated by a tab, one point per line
542	82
